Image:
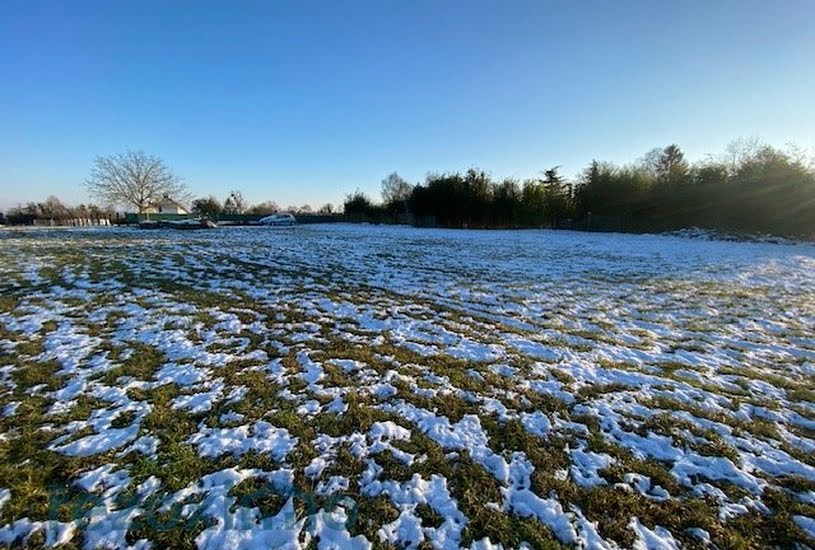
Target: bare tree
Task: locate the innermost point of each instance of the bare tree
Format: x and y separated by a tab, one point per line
53	208
264	208
134	178
395	189
235	203
739	151
327	208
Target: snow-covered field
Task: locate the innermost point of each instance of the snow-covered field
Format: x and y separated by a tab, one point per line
352	386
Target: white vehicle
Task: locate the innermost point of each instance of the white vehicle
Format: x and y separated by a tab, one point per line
283	218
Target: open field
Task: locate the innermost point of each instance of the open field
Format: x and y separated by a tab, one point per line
346	386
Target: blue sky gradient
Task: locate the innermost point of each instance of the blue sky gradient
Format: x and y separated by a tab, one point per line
302	102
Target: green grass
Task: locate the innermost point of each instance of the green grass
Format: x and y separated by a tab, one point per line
41	480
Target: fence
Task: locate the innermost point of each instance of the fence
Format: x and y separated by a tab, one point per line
73	222
30	219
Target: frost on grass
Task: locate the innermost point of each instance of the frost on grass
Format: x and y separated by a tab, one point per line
349	387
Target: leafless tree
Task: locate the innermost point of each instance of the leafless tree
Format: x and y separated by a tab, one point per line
395	189
327	208
264	208
740	151
235	203
134	178
53	208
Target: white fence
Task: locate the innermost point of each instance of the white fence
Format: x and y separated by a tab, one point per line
73	222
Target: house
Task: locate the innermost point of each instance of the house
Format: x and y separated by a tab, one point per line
166	206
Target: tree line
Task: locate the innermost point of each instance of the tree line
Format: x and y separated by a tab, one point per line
53	209
235	203
751	187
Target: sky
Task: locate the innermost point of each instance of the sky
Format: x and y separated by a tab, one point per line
304	102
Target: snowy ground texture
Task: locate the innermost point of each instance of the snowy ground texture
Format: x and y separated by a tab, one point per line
355	387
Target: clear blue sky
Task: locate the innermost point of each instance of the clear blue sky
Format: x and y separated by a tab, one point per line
305	101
